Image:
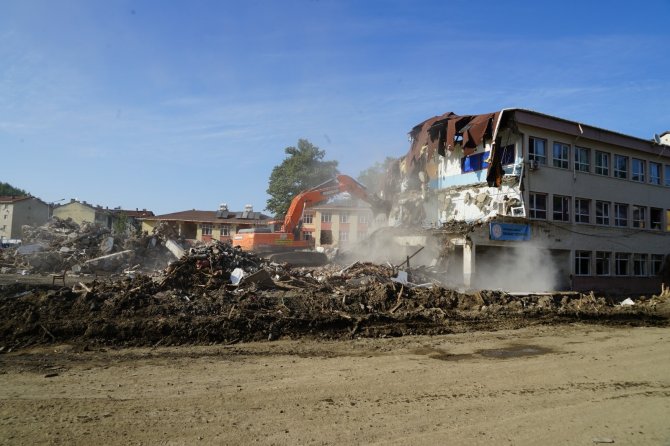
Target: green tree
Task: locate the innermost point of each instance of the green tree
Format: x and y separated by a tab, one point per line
302	169
374	177
8	189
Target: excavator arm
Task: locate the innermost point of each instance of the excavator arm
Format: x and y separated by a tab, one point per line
322	192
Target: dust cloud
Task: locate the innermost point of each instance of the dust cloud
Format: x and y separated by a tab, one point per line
526	267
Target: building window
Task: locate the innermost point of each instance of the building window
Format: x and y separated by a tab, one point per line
325	217
206	229
361	235
307	236
620	167
603	263
507	156
656	218
666	175
537	150
225	230
582	263
582	159
344	217
561	211
561	155
639	264
582	210
363	219
602	163
639	216
344	236
602	213
637	170
308	218
654	173
621	260
538	206
620	215
474	162
656	264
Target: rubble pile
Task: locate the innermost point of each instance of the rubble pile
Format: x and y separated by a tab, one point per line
60	245
219	294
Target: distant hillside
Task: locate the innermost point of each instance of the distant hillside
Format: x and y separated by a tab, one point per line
8	189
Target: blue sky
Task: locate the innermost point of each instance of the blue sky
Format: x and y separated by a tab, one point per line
170	105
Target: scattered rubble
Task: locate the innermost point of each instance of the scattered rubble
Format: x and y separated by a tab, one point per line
220	294
60	245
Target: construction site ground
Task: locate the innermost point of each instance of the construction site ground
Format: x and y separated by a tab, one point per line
222	347
561	384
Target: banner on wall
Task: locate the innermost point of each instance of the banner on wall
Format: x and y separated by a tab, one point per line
509	231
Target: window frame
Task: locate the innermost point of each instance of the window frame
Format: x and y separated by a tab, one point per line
580	165
564	213
617	207
582	260
343	236
640	267
308	218
532	153
363	219
600	169
581	217
344	217
224	230
666	175
603	220
659	221
656	264
603	258
326	217
620	257
639	216
533	210
655	179
206	229
563	161
639	176
619	173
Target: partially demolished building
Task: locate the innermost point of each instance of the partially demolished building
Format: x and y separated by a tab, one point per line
529	201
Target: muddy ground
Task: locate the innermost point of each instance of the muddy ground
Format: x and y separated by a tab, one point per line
577	384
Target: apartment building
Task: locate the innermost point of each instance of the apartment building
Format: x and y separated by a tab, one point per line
16	211
593	202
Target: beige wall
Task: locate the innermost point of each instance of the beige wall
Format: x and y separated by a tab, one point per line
80	213
25	212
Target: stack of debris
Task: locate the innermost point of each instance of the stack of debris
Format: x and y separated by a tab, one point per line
218	293
60	245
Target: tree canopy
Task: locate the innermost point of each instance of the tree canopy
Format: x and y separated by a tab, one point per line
374	177
302	169
8	189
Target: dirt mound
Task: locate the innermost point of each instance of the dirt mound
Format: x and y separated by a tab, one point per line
194	301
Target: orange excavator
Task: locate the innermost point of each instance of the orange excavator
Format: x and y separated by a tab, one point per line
286	245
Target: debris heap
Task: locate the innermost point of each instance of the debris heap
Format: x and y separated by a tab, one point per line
220	294
60	245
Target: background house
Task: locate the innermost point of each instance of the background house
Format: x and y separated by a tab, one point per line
208	225
16	211
340	223
81	211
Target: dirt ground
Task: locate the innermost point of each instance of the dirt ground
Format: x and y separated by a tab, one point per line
564	384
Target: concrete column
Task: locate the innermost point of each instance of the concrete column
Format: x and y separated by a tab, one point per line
468	262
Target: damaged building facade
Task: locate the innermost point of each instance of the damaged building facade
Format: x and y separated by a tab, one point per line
528	201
